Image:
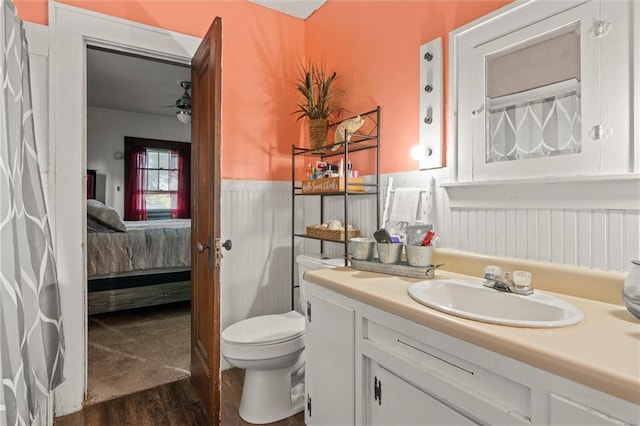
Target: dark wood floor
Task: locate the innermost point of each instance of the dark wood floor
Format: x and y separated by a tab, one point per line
174	403
231	391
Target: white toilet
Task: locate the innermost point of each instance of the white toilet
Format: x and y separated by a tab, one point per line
271	350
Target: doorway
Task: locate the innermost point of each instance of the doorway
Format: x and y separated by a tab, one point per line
71	29
138	313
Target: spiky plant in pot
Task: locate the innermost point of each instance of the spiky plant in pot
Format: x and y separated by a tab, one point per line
320	100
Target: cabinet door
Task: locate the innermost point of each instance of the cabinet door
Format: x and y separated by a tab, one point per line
535	124
565	412
329	362
391	400
543	91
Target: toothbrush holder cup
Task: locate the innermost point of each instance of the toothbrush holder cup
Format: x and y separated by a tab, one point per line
389	252
421	256
362	248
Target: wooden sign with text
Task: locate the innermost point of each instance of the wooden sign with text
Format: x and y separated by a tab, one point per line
328	185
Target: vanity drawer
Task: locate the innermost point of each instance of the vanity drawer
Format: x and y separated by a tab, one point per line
499	395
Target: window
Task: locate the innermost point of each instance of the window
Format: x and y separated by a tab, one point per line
157	179
162	179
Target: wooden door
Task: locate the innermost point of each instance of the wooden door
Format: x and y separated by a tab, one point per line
206	76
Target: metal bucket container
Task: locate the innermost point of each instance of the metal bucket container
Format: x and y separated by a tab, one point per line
362	248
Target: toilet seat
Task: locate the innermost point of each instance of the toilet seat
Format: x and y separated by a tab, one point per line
266	338
265	330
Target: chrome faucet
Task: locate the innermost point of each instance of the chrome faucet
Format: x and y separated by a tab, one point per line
518	282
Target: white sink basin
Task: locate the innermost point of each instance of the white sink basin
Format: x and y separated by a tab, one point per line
470	299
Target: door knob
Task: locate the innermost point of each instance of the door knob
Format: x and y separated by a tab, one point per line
200	247
227	245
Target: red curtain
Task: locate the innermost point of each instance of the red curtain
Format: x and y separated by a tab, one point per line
181	199
135	205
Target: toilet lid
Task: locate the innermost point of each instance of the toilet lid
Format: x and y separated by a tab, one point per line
265	329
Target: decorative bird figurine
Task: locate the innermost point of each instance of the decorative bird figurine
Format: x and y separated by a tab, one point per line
350	125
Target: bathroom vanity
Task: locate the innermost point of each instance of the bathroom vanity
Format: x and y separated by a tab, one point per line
377	357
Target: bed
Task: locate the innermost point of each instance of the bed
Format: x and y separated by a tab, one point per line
135	264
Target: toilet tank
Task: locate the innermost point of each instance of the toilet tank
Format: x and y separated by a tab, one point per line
309	262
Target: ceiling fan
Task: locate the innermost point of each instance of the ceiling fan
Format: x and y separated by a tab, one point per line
183	104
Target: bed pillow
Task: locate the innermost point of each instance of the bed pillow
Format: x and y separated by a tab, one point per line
94	226
105	215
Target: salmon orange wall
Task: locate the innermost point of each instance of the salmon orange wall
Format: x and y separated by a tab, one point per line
261	48
374	46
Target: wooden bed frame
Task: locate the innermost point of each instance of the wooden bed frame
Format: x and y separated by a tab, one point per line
135	291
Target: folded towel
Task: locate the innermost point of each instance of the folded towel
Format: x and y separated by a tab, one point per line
404	205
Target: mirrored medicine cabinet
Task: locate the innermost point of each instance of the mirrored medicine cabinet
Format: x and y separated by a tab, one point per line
543	89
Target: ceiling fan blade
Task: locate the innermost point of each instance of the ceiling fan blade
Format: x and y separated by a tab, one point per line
156	107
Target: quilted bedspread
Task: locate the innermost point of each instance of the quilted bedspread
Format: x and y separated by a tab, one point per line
154	244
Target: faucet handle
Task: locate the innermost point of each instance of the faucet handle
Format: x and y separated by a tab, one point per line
491	272
522	279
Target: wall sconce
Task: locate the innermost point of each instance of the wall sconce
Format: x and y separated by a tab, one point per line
429	150
184	116
420	152
118	155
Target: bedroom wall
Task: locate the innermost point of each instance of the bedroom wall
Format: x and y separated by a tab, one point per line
106	129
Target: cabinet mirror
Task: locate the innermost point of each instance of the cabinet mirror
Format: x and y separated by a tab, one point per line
542	89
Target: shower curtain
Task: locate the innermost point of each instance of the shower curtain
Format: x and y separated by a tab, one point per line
31	340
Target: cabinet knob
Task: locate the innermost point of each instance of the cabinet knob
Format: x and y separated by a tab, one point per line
599	131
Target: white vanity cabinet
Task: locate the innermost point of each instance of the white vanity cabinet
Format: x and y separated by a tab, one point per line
387	394
445	388
366	366
329	358
566	412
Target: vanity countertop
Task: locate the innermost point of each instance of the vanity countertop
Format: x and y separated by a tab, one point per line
602	352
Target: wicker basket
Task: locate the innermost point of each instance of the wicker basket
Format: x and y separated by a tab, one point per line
318	132
326	234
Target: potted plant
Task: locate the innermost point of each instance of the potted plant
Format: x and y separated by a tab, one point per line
319	100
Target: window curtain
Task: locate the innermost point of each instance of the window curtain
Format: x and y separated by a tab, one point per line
31	336
181	193
135	203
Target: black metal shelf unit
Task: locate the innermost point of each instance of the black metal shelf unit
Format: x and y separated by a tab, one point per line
367	138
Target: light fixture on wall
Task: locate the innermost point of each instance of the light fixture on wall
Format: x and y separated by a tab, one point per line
184	104
420	152
428	153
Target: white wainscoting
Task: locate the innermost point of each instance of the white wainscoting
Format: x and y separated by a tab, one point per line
255	275
256	216
598	238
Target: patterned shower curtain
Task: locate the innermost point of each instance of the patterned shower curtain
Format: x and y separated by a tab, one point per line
31	340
